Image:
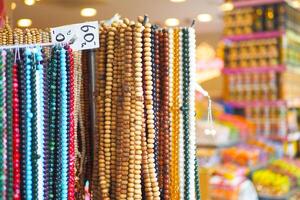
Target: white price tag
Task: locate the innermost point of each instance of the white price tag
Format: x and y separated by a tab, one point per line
85	35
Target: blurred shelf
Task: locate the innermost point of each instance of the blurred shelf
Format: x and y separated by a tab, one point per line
221	145
240	70
258	167
255	36
293	69
290	137
293	103
207	75
262	103
249	3
282	197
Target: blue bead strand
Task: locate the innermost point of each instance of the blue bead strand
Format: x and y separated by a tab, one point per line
29	115
40	120
64	125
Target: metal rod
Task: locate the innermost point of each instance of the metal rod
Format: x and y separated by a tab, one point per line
92	99
18	46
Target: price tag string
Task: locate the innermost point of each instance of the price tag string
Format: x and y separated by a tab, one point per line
210	130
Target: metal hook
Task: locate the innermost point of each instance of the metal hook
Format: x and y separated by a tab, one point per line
145	20
16	52
193	23
19	54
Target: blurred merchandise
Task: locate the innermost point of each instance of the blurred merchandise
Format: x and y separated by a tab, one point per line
278	179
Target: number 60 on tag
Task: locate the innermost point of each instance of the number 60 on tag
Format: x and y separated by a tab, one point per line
85	35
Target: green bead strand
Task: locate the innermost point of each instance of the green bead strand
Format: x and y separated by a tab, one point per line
9	67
